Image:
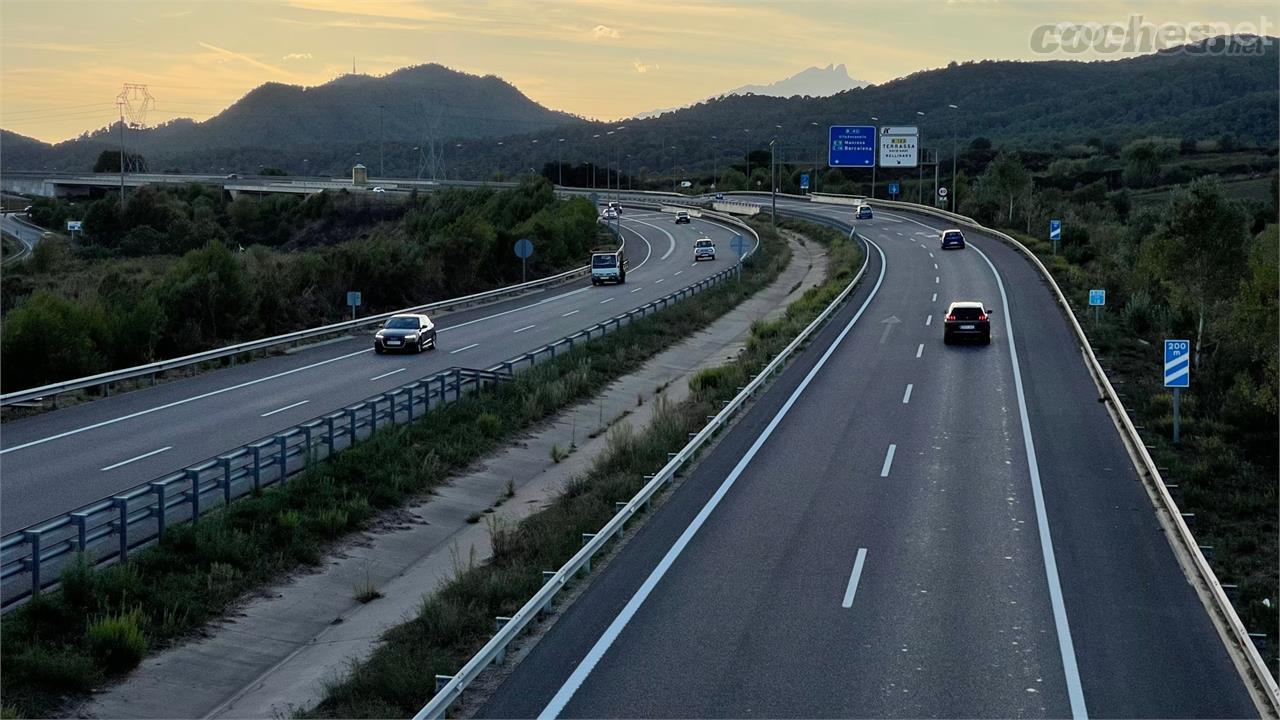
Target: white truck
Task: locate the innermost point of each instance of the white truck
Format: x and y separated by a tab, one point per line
608	266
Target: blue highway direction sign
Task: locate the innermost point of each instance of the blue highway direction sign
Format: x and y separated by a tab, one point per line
851	146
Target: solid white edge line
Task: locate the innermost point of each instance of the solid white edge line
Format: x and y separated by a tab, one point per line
1075	691
135	459
584	668
888	460
670	237
853	578
906	396
920	350
649	246
468	347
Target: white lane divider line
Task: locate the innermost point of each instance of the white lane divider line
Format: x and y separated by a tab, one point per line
135	459
655	282
571	312
935	266
930	254
936	280
928	319
286	408
455	352
633	292
695	264
906	396
589	661
526	327
607	300
935	298
853	578
385	374
678	272
888	461
920	350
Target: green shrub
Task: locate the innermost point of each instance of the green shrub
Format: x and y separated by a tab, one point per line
116	642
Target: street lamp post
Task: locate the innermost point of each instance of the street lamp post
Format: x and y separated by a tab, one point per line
773	183
953	202
560	162
919	169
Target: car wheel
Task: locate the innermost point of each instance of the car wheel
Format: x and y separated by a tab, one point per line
946	338
986	339
378	350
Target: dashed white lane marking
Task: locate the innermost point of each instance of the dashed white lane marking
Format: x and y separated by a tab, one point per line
571	312
888	460
853	578
526	327
455	352
607	300
935	298
379	377
635	291
135	459
906	396
286	408
936	280
920	350
655	282
928	319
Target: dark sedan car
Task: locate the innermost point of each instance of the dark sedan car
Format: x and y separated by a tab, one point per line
405	332
967	320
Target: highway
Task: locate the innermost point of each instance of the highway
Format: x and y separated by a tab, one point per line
27	234
59	460
899	528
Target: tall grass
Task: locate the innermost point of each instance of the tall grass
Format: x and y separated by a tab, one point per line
457	620
192	576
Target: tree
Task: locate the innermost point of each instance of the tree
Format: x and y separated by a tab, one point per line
1201	251
1007	178
206	294
732	179
109	162
980	143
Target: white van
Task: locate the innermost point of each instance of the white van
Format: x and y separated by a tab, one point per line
608	266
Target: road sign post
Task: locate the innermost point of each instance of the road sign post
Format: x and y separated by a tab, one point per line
804	181
353	300
1177	375
942	196
524	248
1097	299
1055	233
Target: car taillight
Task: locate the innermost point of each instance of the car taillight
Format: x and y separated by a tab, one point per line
951	318
982	317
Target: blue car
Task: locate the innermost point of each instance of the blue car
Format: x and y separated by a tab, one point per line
952	239
864	212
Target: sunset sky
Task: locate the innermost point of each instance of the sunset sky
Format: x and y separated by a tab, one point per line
62	62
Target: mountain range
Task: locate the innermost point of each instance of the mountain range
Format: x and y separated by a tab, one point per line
812	82
1199	92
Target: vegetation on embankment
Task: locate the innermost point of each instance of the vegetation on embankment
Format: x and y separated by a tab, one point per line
458	620
101	622
164	276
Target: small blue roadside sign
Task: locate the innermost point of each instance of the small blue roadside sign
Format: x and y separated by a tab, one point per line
353	298
851	146
804	181
739	244
1097	297
1055	230
524	248
893	188
1177	363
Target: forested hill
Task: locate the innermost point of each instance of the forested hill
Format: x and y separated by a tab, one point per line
414	104
1198	92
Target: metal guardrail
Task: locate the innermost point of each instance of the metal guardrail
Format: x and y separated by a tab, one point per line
449	688
107	378
1261	675
109	529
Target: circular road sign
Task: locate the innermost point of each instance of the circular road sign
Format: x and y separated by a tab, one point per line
524	248
942	192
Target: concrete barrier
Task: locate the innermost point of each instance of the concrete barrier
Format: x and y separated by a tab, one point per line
736	208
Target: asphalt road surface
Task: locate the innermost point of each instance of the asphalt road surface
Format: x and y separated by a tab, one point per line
60	460
900	528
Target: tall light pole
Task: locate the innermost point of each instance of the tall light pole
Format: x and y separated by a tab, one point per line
875	160
773	185
816	158
954	203
559	162
919	168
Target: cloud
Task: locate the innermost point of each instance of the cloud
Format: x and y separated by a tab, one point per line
601	32
245	58
297	56
643	68
54	47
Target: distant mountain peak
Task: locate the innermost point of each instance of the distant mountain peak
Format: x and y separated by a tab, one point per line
812	81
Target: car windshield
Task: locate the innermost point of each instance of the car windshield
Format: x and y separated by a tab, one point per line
704	243
402	324
952	236
967	313
604	261
682	214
